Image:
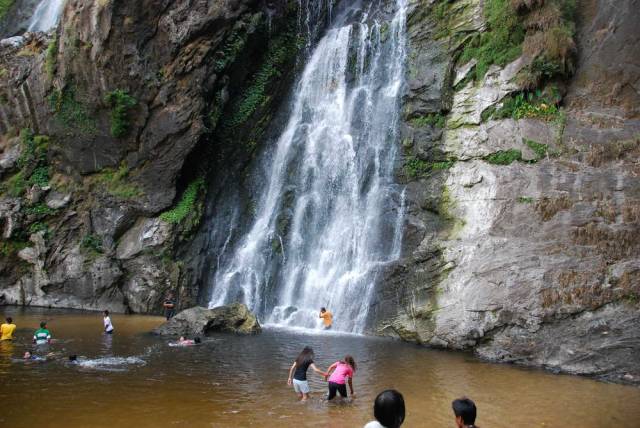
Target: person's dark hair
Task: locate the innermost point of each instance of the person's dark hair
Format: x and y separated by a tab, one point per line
43	324
196	340
323	309
306	356
73	357
389	408
9	320
106	313
466	409
349	360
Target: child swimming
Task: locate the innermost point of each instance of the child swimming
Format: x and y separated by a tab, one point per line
301	365
342	371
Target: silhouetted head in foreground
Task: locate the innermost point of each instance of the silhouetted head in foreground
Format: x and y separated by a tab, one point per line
389	408
465	411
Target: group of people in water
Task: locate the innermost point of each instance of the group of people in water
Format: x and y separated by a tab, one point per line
388	407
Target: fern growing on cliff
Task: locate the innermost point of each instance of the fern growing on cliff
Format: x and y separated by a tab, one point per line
121	103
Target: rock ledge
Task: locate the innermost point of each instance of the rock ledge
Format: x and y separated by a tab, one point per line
234	318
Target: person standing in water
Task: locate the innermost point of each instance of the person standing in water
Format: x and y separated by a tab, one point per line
301	365
42	335
169	306
7	329
343	371
327	318
108	327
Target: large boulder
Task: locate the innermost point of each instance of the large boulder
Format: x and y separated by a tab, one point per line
234	318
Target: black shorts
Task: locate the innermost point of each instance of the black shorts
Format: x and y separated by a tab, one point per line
337	387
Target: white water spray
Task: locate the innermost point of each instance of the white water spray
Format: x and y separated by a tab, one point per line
46	15
329	203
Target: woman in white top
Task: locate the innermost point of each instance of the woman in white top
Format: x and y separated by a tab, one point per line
388	410
108	327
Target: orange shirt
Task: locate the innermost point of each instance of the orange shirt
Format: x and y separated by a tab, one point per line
327	318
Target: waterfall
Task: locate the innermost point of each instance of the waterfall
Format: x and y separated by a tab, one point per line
330	216
46	15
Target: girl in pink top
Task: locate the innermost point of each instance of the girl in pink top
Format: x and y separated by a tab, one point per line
342	371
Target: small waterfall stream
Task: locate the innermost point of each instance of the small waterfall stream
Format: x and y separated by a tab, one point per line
46	15
330	215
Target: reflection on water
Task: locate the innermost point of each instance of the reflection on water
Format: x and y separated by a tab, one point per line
135	379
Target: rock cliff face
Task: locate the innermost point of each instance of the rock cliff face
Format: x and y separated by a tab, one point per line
520	141
110	127
522	234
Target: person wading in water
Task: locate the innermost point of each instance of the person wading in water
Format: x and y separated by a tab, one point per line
300	365
327	318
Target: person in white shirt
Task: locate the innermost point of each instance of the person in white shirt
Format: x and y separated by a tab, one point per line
108	327
388	410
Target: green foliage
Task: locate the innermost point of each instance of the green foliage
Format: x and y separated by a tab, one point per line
281	50
16	185
121	103
92	244
232	47
11	247
50	63
69	112
501	43
525	200
39	227
115	183
538	148
415	167
5	5
432	119
32	163
39	210
504	157
186	205
528	105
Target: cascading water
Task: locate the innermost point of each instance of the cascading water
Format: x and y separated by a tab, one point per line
46	15
330	216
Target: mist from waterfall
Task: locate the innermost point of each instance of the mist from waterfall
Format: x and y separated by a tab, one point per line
46	15
330	216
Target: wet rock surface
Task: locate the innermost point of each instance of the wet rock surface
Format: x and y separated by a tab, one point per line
532	262
198	321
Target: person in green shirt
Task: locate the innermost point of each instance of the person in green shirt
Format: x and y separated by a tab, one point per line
42	335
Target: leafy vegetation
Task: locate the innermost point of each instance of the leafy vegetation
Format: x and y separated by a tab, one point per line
186	205
538	148
69	112
32	164
121	103
281	50
40	227
5	5
501	43
525	200
92	244
11	247
415	167
527	105
504	157
39	210
50	63
432	119
115	182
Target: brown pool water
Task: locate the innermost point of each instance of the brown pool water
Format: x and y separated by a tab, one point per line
134	379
